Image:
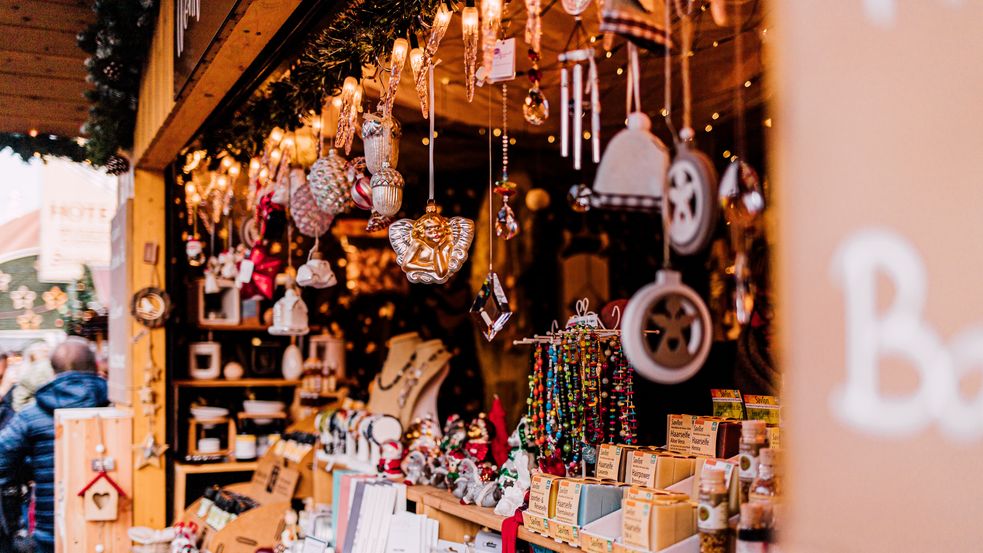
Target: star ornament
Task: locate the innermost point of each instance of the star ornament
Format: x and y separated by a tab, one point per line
149	452
432	248
23	298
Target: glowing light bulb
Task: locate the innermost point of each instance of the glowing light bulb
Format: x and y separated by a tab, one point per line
226	162
276	135
469	30
234	171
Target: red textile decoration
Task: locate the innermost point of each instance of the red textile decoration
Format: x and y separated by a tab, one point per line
264	208
510	531
500	443
553	465
477	450
265	268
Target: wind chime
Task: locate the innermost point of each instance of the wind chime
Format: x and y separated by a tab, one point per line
572	60
432	248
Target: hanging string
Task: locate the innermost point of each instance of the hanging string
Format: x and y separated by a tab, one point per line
430	77
685	16
667	69
666	216
739	99
491	241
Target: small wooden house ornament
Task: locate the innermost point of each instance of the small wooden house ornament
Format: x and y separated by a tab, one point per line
100	498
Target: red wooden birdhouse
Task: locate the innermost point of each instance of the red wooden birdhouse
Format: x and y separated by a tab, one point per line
100	498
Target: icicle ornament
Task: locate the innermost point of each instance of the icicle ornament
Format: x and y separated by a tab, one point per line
469	33
397	61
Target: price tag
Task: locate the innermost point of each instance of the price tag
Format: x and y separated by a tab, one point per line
503	63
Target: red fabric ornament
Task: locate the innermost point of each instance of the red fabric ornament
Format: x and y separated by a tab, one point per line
510	531
500	443
553	465
265	268
477	450
264	209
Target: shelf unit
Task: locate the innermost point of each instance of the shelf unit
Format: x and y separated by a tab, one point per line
457	519
241	383
182	470
234	328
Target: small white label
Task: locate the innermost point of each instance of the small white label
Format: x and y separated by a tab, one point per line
503	63
749	466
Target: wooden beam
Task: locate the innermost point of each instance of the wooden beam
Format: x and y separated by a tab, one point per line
43	14
62	67
13	105
32	40
12	84
46	125
238	46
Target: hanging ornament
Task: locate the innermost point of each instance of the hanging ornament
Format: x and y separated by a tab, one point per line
572	135
397	60
378	222
432	248
579	197
535	108
387	190
361	187
289	315
195	251
632	171
692	178
149	452
490	309
491	22
421	59
469	33
575	7
741	197
351	98
308	219
316	273
639	22
666	330
506	225
328	182
257	273
380	136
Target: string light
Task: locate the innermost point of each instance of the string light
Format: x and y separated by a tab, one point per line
497	132
726	154
33	133
586	135
715	116
620	71
708	128
747	84
767	122
551	139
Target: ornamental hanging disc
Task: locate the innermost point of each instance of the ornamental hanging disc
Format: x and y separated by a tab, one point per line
666	330
150	307
433	247
692	200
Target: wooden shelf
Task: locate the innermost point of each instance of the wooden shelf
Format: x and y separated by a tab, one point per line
445	502
214	468
241	383
234	328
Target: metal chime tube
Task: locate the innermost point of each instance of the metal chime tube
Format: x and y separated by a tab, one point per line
564	112
595	112
578	113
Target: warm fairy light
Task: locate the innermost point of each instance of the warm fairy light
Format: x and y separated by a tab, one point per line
708	128
747	84
726	154
607	54
348	88
253	165
469	20
223	183
234	171
33	132
426	141
435	133
263	173
189	189
196	199
276	135
715	116
416	60
497	132
664	112
551	139
768	122
512	141
316	124
715	44
336	102
275	156
443	17
586	135
620	71
226	162
400	47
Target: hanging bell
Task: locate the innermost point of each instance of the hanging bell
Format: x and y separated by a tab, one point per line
380	137
387	190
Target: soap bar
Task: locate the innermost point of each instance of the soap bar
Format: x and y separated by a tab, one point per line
651	494
542	495
673	468
567	500
610	462
597	500
715	437
679	433
655	525
642	468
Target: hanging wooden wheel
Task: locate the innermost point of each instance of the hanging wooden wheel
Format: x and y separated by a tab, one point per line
692	200
666	330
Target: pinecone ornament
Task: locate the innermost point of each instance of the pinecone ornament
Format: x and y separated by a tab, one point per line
310	220
329	183
117	165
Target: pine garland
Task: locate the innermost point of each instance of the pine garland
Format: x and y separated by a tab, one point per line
117	44
360	35
26	146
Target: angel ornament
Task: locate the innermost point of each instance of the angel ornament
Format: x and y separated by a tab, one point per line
432	248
